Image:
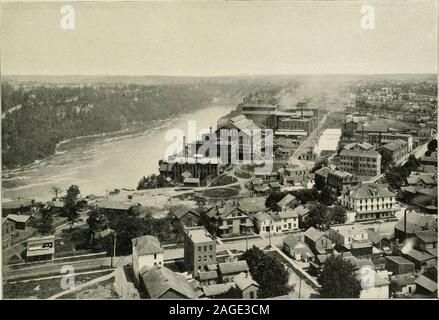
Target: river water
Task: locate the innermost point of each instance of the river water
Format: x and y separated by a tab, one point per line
101	164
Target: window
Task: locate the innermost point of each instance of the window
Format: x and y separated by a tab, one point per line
155	256
205	248
210	247
199	249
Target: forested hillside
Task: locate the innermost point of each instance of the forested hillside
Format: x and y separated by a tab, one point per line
35	119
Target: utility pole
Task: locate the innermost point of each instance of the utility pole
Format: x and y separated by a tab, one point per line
300	286
269	233
114	248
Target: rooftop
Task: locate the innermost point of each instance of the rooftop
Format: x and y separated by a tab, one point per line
147	245
160	279
426	283
244	280
198	234
233	267
18	217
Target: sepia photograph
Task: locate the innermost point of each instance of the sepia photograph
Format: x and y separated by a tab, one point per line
219	150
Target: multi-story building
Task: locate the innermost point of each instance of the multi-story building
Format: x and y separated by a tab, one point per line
230	219
342	181
8	232
198	168
40	248
370	201
379	138
394	150
361	159
199	249
147	253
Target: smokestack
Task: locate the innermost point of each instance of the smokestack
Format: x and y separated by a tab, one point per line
184	147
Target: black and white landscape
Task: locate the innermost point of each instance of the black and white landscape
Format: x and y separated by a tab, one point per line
216	150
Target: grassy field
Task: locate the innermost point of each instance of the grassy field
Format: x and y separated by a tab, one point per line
102	290
43	289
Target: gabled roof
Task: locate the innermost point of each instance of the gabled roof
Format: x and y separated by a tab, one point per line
313	234
208	275
147	245
244	280
324	172
288	214
410	227
426	283
419	255
159	279
22	218
262	216
399	260
301	210
182	211
427	236
233	267
186	174
291	240
286	200
371	190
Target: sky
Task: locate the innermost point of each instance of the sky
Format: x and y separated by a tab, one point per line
219	38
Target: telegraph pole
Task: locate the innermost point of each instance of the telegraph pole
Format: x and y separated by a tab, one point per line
114	248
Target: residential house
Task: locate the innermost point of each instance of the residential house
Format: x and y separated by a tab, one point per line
187	216
297	249
353	238
160	282
289	201
318	242
230	219
370	201
213	291
228	270
21	220
287	220
404	286
249	288
208	277
373	285
302	211
147	253
8	232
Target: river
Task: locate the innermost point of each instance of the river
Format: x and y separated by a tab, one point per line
101	164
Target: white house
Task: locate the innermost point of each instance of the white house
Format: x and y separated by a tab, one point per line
283	221
147	252
370	201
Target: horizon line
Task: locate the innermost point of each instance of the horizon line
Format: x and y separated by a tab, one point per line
217	76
